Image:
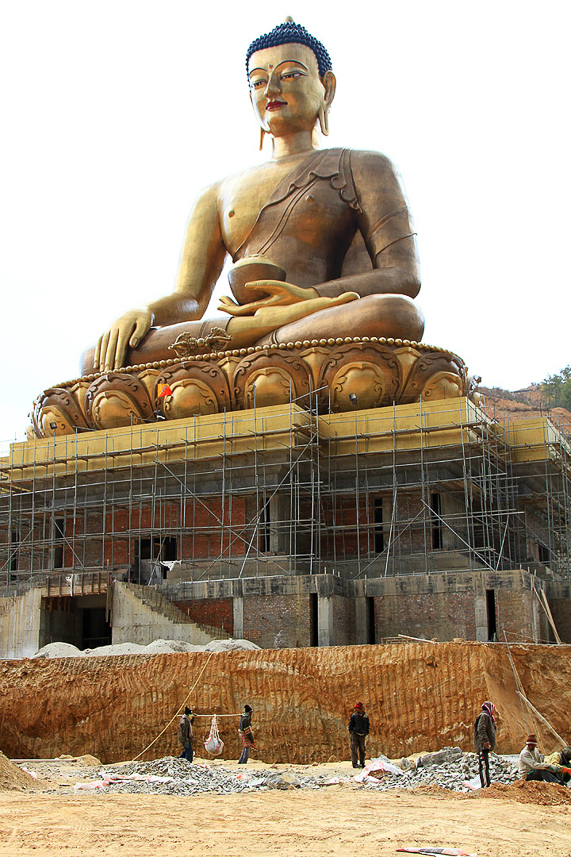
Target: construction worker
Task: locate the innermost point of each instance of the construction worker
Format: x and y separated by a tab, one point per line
358	730
560	761
185	734
246	735
533	766
485	740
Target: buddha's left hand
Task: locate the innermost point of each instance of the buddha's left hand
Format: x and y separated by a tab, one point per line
278	294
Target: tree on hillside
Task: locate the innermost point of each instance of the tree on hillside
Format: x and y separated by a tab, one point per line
557	389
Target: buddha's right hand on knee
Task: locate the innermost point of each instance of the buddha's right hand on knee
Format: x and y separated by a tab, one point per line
127	332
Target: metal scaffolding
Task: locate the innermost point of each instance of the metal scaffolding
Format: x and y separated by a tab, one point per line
294	491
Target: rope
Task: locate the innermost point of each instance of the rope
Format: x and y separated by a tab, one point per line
216	715
178	711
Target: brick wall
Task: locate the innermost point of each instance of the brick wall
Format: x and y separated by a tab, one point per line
514	615
343	543
217	612
199	522
344	620
277	621
444	615
559	598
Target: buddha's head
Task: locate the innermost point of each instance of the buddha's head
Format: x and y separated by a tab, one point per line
291	82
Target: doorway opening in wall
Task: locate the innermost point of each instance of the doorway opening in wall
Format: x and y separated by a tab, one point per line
491	614
313	635
80	620
14	546
264	526
157	548
378	522
370	601
436	507
149	554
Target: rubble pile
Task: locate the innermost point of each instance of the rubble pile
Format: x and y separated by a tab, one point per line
449	769
172	775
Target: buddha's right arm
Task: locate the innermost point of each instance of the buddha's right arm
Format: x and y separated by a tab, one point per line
201	262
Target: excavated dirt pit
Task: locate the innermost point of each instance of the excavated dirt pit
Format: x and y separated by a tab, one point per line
419	697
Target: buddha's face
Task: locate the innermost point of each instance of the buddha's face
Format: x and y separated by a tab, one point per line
286	90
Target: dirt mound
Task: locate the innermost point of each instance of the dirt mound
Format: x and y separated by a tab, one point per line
157	647
420	697
434	790
541	794
12	778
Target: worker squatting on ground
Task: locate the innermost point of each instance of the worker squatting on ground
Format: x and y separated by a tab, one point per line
358	730
185	734
485	740
552	769
560	762
246	735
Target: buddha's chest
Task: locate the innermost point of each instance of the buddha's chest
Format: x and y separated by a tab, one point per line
307	213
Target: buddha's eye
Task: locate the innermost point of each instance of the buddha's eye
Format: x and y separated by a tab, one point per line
257	84
290	75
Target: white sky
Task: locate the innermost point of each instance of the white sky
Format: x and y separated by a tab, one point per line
115	115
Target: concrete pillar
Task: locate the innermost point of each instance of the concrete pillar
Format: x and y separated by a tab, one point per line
481	618
238	617
325	630
361	620
536	619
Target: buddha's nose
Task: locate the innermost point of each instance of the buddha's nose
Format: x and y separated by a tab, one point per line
272	86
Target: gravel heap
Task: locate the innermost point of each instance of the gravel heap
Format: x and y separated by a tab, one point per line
193	779
450	774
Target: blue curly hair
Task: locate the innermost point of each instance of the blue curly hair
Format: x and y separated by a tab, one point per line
289	32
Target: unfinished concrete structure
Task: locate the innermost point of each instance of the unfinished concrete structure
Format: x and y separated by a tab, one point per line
289	527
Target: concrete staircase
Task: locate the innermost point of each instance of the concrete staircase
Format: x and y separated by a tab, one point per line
161	618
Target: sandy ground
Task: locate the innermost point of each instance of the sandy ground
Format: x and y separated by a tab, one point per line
339	820
333	822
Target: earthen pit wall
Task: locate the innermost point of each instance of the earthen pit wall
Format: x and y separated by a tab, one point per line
420	697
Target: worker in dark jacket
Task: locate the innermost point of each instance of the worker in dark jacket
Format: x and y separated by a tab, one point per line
485	740
246	735
185	734
358	730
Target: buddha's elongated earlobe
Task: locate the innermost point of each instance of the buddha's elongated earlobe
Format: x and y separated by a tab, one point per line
323	117
329	84
262	135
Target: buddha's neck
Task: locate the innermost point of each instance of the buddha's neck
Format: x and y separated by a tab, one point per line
292	144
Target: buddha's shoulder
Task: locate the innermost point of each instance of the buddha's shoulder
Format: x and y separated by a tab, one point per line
368	162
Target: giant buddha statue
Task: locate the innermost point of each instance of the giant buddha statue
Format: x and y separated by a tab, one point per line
324	277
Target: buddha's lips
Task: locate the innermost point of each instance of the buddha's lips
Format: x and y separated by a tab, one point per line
275	105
